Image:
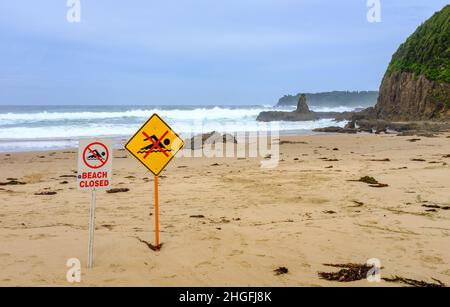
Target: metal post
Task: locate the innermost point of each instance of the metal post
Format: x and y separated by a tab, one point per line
91	231
156	215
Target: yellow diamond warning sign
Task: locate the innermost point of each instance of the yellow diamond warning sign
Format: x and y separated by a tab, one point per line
154	144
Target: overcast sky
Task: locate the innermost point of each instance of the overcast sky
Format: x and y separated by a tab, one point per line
196	51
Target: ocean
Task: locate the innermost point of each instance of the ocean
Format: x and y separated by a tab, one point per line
27	128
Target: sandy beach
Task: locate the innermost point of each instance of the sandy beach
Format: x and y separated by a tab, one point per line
228	222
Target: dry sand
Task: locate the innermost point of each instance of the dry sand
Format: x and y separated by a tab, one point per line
299	215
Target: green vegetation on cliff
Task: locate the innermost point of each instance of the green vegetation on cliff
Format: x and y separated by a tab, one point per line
427	51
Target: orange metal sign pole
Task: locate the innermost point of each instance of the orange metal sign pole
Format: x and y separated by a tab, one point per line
156	215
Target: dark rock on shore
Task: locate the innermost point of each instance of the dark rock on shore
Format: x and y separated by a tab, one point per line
350	125
198	141
404	128
419	128
334	129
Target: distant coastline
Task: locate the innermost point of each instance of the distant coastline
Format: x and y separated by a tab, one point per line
334	98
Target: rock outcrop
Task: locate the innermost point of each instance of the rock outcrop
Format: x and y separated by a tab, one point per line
211	138
302	106
269	116
377	126
405	96
416	85
302	113
334	129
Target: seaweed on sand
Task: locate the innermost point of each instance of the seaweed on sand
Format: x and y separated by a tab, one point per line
367	179
281	270
12	182
434	206
151	246
372	182
117	190
348	272
416	283
45	193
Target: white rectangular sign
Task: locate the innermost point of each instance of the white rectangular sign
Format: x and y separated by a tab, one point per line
94	164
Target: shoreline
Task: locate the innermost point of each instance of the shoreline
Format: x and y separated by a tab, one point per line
118	141
405	128
232	221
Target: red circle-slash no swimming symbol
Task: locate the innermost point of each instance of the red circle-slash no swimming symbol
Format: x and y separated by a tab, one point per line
95	152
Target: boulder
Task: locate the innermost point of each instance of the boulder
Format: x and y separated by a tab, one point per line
198	141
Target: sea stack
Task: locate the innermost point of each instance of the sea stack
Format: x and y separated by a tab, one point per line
302	113
302	106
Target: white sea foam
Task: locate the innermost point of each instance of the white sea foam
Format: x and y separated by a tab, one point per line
332	109
44	127
176	114
95	130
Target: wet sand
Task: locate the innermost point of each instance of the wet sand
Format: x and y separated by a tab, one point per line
228	222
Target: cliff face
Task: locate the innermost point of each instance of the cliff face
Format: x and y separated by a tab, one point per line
416	85
406	96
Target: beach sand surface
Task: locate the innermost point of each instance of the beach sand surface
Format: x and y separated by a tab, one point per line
229	222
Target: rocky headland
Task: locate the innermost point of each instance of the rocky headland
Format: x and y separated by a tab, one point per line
416	85
414	95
